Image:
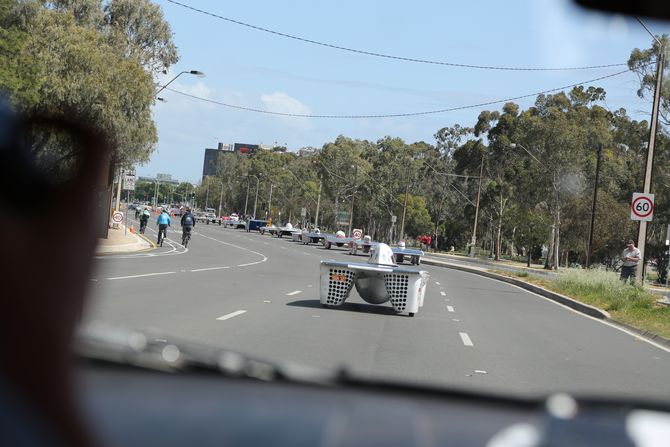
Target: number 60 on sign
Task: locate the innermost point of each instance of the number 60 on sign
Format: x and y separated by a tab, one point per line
642	207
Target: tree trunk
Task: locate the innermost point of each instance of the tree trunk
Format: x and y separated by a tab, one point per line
558	239
550	251
498	238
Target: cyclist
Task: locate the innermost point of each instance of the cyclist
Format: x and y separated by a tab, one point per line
163	222
187	224
144	219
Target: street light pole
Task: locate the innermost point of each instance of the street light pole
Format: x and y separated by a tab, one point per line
220	198
404	209
353	195
197	73
479	193
156	193
318	204
270	202
642	231
246	200
207	196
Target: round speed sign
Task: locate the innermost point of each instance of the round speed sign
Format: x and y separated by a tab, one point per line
642	207
117	217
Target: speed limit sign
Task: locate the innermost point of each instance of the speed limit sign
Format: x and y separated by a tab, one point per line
357	234
642	207
117	217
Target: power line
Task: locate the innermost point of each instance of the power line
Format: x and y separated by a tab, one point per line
389	56
398	115
647	30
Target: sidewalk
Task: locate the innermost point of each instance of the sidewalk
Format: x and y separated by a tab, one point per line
121	241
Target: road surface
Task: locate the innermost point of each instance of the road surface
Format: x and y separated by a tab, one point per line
259	295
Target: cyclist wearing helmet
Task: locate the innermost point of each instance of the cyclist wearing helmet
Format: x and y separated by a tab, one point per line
187	224
163	222
144	219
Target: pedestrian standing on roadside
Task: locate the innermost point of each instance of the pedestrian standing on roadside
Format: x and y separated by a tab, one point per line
630	258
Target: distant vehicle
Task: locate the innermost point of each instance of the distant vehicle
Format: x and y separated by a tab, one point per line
268	229
401	252
212	218
377	281
200	217
286	230
313	237
255	224
339	239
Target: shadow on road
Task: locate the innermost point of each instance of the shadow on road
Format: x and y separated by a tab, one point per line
348	307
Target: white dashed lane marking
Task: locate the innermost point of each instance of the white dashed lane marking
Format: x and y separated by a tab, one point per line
466	339
443	293
295	292
139	276
450	308
210	268
231	315
437	283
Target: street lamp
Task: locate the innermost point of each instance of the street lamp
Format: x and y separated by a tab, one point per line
256	199
197	73
353	194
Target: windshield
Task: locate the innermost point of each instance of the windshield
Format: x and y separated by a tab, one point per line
449	194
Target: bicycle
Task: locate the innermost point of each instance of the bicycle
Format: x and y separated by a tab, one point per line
185	238
143	227
162	234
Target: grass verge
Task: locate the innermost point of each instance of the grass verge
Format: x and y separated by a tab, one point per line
633	305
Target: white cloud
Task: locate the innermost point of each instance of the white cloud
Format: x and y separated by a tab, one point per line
281	102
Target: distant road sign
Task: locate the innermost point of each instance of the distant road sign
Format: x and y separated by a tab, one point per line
393	219
117	217
129	182
357	234
642	207
303	212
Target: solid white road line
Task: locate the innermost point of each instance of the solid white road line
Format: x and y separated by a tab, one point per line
231	315
450	308
466	339
443	293
210	268
140	276
295	292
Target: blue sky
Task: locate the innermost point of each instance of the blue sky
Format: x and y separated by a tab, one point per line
250	68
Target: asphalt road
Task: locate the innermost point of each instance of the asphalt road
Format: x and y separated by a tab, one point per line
259	295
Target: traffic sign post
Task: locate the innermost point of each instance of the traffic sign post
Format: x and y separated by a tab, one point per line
117	218
642	207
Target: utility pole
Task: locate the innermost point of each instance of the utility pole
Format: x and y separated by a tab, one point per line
118	189
207	196
220	198
353	194
156	194
246	201
473	241
270	202
653	127
593	205
404	210
318	203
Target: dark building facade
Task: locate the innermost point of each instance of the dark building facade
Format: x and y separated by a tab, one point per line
212	163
